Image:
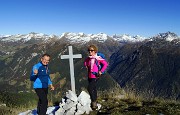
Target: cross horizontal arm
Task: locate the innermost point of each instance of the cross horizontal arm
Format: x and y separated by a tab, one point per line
73	56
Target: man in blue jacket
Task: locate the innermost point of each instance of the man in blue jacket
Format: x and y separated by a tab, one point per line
40	76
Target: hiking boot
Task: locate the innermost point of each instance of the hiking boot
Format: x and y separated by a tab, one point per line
94	105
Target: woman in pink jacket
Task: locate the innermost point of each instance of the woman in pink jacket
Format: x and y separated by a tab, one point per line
92	63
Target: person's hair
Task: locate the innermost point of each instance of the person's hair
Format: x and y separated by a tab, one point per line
94	47
45	55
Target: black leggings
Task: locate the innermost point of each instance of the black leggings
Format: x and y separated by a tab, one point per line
43	101
92	89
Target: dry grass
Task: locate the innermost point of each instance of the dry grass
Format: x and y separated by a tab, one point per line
120	102
117	101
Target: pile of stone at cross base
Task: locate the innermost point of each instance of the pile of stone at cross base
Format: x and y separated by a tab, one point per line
73	105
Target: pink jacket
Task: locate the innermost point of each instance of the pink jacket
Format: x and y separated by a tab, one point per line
92	66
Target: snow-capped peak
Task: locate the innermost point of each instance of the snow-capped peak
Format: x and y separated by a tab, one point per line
4	36
168	36
128	38
83	38
24	37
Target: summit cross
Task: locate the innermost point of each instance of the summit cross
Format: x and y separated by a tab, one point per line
71	57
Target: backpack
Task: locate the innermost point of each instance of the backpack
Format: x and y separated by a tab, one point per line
99	65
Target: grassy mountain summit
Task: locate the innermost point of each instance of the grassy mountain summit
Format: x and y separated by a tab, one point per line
113	102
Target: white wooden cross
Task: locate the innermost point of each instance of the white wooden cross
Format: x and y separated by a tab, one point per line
71	57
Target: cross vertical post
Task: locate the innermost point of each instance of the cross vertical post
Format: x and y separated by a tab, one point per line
71	64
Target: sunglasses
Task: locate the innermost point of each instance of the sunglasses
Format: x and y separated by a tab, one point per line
90	50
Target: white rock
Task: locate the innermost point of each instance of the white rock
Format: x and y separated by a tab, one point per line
71	95
25	113
79	112
50	110
69	105
75	105
87	109
99	106
83	94
84	98
60	111
70	113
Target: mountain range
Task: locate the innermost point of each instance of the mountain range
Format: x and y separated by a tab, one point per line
149	65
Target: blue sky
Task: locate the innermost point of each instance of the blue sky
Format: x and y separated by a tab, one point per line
134	17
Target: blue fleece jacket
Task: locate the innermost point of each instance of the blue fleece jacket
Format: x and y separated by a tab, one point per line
42	79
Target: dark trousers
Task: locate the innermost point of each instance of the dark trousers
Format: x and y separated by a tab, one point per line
43	101
92	89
